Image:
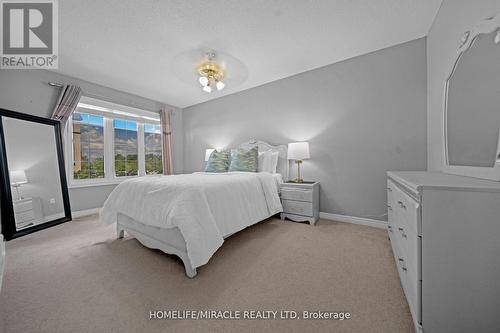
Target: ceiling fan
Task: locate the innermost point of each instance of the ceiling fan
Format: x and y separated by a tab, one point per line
209	69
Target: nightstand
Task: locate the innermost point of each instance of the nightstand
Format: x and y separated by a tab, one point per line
300	201
27	212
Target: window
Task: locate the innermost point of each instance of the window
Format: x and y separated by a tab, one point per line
125	148
110	142
88	146
153	149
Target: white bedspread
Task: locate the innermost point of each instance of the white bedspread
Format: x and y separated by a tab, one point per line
206	207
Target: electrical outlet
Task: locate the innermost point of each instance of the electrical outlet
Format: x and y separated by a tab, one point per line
52	201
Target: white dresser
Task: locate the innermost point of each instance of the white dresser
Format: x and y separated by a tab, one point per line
445	236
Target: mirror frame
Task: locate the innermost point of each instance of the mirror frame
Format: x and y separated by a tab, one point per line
487	26
7	209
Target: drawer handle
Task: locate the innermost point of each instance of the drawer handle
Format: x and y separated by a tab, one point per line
401	260
400	203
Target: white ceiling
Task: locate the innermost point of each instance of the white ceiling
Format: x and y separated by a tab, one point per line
129	45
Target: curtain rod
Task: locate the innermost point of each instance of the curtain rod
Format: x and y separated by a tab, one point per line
55	84
106	99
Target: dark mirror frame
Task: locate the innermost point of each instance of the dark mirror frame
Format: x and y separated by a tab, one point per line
6	205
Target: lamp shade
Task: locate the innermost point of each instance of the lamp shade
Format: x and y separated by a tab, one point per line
18	177
298	151
208	152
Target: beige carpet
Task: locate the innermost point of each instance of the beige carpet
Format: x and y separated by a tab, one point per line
77	277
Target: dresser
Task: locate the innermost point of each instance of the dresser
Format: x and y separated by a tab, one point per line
27	211
300	201
445	237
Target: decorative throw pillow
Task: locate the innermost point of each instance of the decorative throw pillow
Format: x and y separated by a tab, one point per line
244	159
218	162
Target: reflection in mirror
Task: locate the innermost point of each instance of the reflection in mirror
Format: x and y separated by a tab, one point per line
34	172
473	105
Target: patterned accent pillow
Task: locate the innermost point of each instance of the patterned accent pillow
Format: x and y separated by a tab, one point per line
218	161
244	159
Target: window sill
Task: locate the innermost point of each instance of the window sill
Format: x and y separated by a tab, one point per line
105	182
94	183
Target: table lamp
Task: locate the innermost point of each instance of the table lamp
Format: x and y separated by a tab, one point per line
298	151
17	178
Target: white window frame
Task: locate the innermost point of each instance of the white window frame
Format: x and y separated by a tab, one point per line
109	112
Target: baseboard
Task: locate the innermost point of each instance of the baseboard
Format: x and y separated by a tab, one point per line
50	218
327	216
354	220
85	212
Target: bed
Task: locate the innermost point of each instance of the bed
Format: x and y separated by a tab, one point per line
190	215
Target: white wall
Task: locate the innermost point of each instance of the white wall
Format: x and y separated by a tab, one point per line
453	19
362	117
27	91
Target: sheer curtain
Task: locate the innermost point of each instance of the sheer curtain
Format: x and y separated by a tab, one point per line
166	131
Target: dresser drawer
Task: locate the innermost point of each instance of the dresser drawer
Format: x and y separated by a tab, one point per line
411	284
410	244
390	190
25	216
405	209
391	203
298	207
22	206
297	194
401	266
413	291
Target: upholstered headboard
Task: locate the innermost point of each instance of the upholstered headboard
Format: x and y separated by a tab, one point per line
283	164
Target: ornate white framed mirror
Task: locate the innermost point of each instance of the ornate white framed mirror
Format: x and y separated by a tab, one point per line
472	105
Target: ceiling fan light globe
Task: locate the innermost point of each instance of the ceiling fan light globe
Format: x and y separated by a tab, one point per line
207	89
220	85
203	81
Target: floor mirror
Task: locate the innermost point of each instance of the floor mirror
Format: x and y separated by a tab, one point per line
34	192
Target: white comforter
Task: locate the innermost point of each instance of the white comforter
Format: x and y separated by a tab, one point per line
206	207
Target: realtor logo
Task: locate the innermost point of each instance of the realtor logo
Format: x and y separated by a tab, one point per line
29	34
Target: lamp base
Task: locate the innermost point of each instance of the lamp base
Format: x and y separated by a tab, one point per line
298	179
19	197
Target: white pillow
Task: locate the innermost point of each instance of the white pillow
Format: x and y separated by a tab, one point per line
268	161
274	161
261	161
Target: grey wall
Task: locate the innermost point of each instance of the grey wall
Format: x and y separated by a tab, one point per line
453	19
362	117
27	91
